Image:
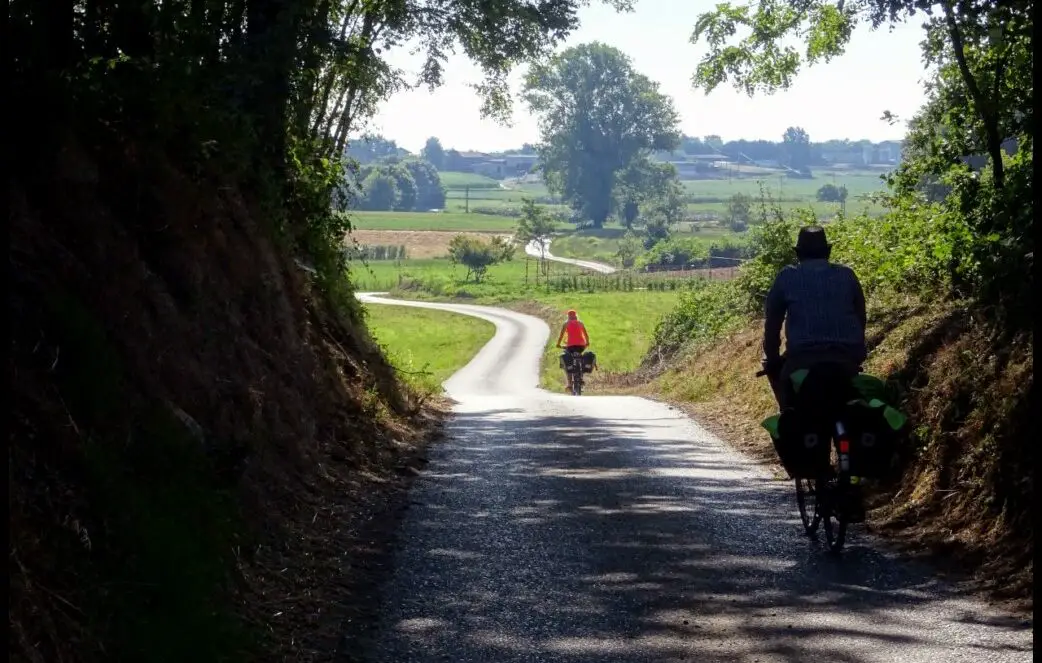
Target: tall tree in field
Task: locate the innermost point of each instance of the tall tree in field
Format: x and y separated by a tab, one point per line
645	187
796	148
714	142
434	152
597	115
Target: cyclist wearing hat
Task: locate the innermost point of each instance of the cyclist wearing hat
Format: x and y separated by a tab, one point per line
823	308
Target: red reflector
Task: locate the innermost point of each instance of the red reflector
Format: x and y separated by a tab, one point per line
844	446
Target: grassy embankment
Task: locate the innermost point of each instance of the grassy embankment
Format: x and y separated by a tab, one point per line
963	490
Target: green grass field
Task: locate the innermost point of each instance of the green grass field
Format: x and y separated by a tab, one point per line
711	196
620	325
782	188
498	200
452	179
621	322
586	246
427	347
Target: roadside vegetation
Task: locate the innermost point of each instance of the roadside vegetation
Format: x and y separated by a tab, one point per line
207	447
947	271
941	241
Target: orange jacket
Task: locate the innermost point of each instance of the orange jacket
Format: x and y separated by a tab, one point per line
576	333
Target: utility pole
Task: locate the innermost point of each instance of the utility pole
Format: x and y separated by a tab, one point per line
466	199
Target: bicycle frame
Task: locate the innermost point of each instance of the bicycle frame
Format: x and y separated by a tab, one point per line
574	368
830	492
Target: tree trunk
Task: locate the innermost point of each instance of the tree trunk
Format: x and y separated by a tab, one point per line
985	109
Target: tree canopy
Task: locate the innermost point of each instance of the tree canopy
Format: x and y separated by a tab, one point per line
596	116
434	153
796	146
968	151
414	184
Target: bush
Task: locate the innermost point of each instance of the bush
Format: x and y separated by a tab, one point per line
478	255
693	252
739	212
830	193
704	313
917	248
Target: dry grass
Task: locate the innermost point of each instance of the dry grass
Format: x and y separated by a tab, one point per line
965	497
418	243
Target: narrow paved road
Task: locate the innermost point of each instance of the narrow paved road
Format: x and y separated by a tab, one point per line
612	529
534	249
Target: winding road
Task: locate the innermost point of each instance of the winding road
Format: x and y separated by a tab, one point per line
535	249
615	529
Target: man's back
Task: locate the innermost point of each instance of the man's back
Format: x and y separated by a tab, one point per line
823	305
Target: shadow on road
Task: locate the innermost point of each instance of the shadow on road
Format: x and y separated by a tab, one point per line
581	539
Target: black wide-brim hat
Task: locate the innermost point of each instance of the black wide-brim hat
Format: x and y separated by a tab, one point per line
811	239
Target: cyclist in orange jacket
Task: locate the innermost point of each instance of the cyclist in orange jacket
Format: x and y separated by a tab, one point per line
577	339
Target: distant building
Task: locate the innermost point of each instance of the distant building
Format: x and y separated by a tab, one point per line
690	169
491	165
463	161
706	158
494	168
886	153
889	151
519	164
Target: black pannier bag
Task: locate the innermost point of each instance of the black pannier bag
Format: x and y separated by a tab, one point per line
873	442
803	444
566	362
589	361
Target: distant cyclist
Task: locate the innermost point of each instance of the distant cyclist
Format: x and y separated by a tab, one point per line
577	339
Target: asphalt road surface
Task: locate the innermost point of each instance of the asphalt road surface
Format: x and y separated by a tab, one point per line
607	529
534	249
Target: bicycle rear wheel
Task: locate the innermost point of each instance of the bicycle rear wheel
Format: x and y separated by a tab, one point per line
834	515
807	502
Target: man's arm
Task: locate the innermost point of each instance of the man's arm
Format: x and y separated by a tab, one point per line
859	301
774	315
586	335
561	335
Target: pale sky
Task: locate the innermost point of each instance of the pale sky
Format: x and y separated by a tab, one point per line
880	71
